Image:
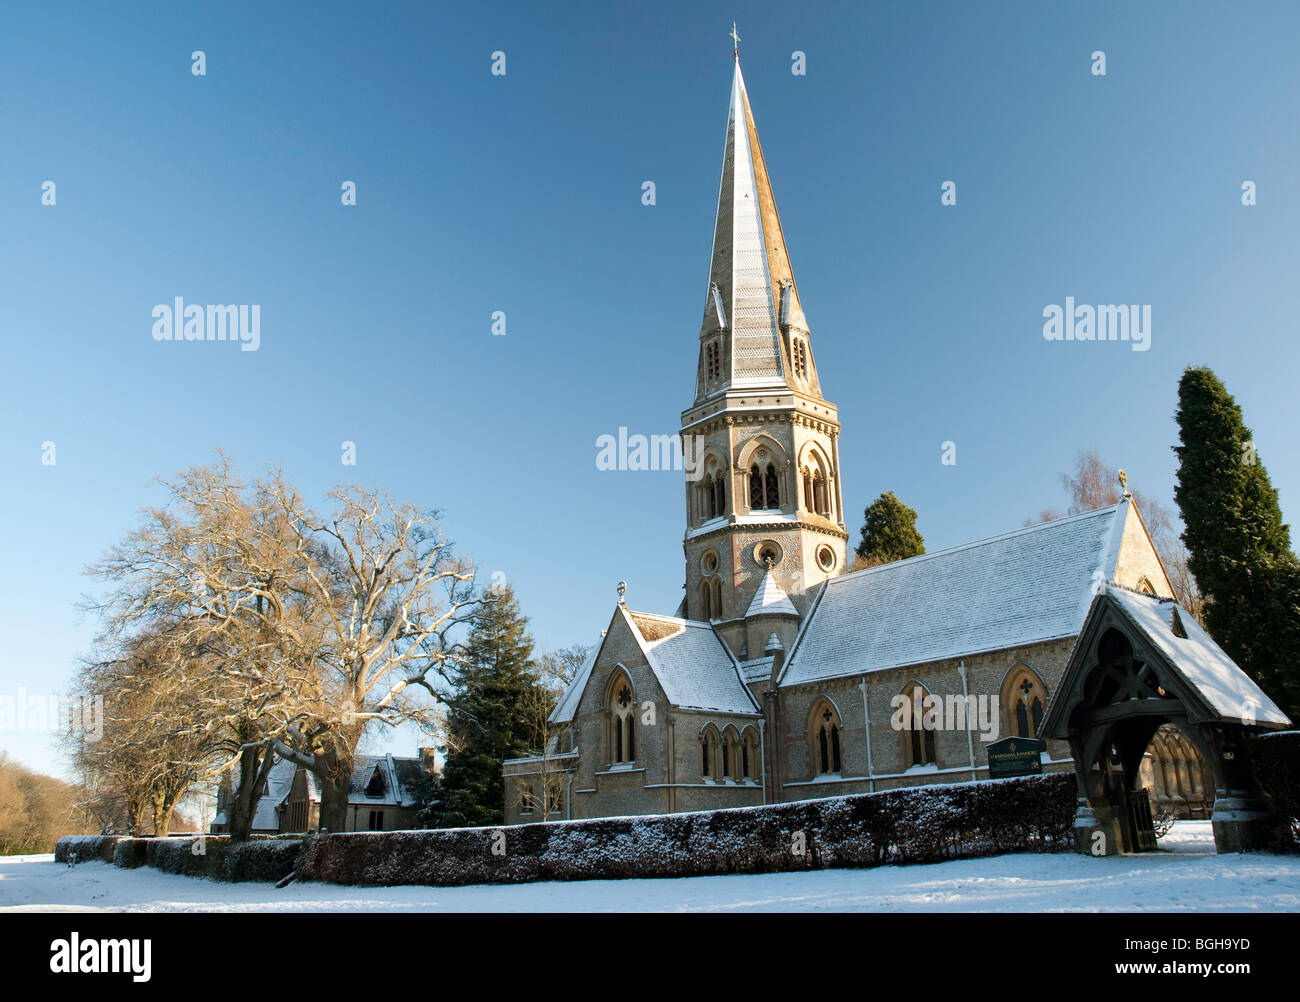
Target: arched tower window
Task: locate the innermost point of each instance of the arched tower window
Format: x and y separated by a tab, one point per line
773	490
755	487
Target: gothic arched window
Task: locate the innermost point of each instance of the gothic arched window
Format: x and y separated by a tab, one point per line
1024	699
825	727
918	739
749	763
755	487
773	492
712	754
821	495
622	723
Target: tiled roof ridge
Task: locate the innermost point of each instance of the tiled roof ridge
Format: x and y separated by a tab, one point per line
1023	530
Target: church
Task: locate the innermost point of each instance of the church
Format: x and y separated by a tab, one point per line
783	675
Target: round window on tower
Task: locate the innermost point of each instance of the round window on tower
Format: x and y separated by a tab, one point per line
768	550
709	562
826	558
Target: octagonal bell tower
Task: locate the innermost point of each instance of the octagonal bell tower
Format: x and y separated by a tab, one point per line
764	489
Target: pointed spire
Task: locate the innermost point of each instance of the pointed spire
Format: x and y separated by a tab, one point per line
752	299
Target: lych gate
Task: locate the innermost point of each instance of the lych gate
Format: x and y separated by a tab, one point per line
1140	662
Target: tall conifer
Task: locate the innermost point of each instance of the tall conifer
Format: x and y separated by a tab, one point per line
486	724
1239	548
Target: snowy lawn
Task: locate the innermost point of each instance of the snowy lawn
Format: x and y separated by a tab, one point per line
1187	876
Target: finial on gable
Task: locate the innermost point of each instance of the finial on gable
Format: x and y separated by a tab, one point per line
622	590
1123	483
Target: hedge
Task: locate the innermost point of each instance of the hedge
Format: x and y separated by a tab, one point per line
85	848
265	857
913	825
925	824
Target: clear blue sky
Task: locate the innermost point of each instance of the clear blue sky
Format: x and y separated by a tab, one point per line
522	193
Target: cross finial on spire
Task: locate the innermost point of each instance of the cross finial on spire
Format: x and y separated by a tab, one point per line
735	39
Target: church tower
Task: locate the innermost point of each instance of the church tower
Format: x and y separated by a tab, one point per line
765	496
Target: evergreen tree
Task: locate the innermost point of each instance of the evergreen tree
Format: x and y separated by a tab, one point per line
889	532
486	724
1240	549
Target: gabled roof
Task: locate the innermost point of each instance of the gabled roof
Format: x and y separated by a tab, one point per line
390	791
690	662
693	666
567	707
1021	587
1228	692
770	599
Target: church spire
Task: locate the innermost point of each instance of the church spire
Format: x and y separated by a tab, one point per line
754	335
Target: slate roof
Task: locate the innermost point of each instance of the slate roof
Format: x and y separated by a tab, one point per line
693	665
1229	690
567	707
1022	587
391	772
770	599
756	669
397	774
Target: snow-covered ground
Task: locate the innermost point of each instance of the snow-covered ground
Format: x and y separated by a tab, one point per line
1186	876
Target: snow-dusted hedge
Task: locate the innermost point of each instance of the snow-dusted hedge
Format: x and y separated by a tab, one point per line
914	825
130	852
1276	760
262	858
85	848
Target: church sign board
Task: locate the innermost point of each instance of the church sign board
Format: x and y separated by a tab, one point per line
1015	757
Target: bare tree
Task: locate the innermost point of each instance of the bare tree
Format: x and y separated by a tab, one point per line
390	598
555	670
209	647
1095	484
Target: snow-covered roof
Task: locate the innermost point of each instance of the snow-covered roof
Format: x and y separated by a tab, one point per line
691	663
567	707
770	599
391	790
1030	585
1231	693
278	783
756	669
